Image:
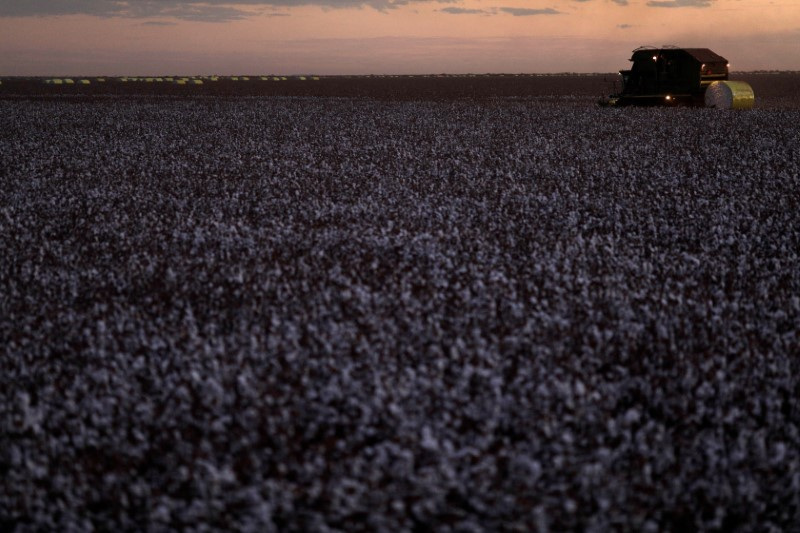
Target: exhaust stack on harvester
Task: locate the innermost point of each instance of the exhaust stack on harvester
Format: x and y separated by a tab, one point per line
680	76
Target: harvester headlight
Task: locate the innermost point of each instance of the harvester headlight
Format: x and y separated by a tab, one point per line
668	98
655	58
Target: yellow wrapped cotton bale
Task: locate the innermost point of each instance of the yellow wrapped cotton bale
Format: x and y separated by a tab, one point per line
69	81
730	95
85	82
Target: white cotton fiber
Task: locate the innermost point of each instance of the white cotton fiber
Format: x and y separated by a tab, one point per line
730	95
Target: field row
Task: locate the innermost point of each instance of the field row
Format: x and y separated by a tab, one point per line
341	314
772	90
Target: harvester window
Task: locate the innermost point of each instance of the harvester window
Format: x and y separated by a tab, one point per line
672	68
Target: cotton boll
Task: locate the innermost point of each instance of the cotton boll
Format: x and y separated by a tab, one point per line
317	313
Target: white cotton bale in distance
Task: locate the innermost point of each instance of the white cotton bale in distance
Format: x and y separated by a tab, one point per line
730	95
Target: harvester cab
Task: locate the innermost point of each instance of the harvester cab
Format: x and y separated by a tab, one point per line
671	76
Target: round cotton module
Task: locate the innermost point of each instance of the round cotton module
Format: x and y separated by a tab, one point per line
730	95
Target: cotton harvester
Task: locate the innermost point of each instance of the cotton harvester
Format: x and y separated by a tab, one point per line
671	76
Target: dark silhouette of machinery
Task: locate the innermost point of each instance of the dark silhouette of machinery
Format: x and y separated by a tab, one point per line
679	76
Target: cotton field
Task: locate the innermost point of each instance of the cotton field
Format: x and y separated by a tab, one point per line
342	314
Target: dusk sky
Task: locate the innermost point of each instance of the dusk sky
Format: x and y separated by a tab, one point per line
155	37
